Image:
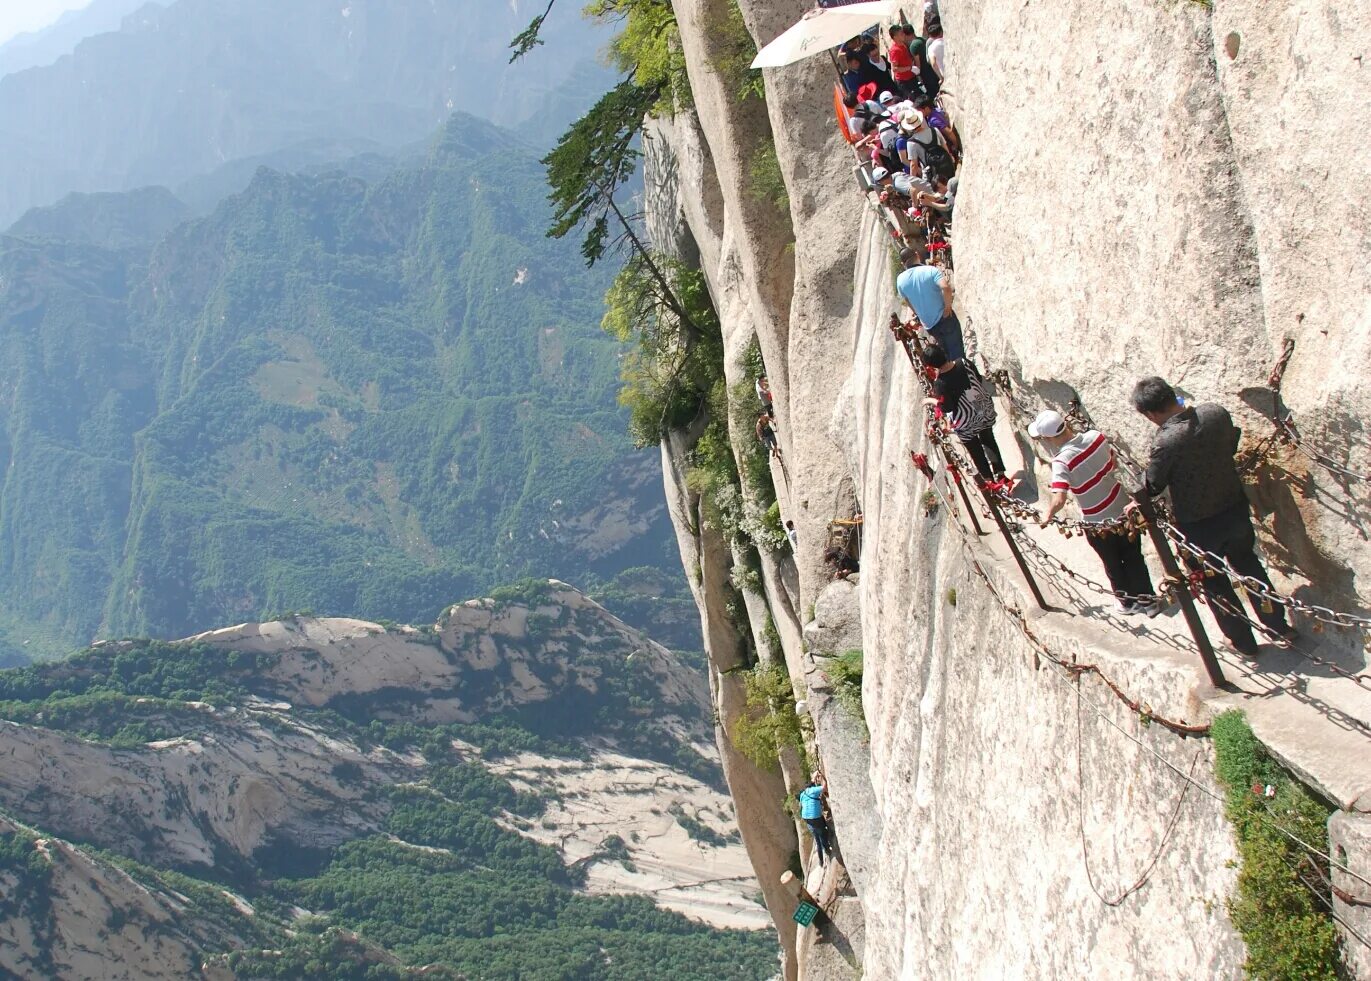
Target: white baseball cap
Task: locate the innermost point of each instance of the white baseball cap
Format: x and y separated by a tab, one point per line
1048	423
879	174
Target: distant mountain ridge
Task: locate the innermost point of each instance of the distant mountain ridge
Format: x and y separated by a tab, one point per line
181	90
133	219
35	49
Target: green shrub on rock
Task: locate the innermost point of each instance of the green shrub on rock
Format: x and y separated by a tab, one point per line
1289	932
771	725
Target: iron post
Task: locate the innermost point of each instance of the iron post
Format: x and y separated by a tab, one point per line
1014	550
1173	571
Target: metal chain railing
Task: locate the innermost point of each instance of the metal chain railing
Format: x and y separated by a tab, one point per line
1133	525
1362	681
1166	590
1255	587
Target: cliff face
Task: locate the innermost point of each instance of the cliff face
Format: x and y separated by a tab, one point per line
1136	199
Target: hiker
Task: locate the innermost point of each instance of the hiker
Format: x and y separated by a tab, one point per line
862	71
852	77
884	142
923	148
928	76
1083	466
929	294
900	183
879	70
863	110
765	397
967	408
812	813
893	107
941	200
844	565
902	68
935	47
858	114
938	120
792	535
766	432
1192	456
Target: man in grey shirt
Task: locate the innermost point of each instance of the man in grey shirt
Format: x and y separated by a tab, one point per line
1192	456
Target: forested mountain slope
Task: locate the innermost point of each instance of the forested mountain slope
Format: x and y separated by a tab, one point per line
183	88
334	395
523	790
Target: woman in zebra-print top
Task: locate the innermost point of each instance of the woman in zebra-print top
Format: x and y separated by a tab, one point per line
967	409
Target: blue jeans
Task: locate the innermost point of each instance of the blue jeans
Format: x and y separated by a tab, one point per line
948	333
818	827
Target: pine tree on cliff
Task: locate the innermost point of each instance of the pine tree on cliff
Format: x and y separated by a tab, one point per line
656	301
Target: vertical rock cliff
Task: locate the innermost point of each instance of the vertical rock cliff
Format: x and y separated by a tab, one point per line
1173	189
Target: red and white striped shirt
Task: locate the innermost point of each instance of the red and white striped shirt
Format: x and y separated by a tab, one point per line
1085	466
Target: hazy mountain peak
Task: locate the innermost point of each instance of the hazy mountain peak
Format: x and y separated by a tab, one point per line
44	46
183	90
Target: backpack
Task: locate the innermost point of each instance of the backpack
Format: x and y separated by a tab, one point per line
937	158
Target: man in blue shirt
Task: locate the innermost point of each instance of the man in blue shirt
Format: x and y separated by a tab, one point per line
928	292
812	813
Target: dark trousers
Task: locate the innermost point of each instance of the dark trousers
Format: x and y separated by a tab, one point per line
985	453
932	83
1123	564
948	333
1229	535
911	89
818	827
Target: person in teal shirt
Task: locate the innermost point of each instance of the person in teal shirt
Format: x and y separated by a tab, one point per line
928	292
812	813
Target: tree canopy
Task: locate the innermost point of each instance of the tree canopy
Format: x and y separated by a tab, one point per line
592	161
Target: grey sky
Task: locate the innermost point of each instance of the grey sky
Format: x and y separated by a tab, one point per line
17	16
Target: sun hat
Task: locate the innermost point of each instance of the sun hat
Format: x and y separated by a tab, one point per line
1048	423
911	121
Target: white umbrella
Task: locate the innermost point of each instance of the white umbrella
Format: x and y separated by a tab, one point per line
825	28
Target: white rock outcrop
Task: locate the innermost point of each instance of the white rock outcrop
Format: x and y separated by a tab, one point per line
483	656
100	923
205	800
265	771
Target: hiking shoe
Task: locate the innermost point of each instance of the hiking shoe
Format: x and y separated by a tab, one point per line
1250	652
1286	635
1150	608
